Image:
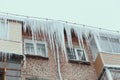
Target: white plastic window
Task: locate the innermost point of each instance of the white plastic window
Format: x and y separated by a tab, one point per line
76	54
104	43
35	48
109	44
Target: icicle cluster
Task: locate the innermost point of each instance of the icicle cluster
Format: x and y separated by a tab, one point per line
7	55
53	31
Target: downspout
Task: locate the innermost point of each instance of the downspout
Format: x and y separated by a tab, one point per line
58	62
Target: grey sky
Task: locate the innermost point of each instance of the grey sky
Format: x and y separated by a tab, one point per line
98	13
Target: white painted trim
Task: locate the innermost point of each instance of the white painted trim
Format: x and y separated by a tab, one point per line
76	54
109	52
114	66
86	56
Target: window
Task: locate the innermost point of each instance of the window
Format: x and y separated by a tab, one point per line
41	49
108	44
76	54
34	47
3	29
29	48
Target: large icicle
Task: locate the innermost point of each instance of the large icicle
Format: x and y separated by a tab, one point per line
51	28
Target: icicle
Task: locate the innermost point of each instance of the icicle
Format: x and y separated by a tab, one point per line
69	37
50	28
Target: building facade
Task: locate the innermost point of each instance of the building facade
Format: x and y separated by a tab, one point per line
35	49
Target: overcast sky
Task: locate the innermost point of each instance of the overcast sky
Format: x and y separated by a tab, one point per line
98	13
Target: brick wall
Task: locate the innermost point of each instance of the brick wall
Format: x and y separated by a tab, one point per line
40	67
47	68
78	71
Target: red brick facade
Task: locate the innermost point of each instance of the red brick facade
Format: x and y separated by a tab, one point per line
47	68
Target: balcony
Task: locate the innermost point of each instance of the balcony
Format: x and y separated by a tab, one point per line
108	66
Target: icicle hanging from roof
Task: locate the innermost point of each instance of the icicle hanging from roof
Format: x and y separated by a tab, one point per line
51	28
55	28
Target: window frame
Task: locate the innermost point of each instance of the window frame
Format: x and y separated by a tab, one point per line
111	41
77	57
84	53
72	53
35	42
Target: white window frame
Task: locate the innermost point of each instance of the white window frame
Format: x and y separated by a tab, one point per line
84	53
35	42
6	25
77	57
29	41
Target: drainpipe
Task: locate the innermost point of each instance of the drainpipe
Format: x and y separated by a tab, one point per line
109	76
58	62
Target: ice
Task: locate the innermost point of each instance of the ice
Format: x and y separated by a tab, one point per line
53	31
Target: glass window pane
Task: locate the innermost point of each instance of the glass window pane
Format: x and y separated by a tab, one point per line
71	54
115	45
29	48
94	48
41	49
105	44
109	44
81	54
